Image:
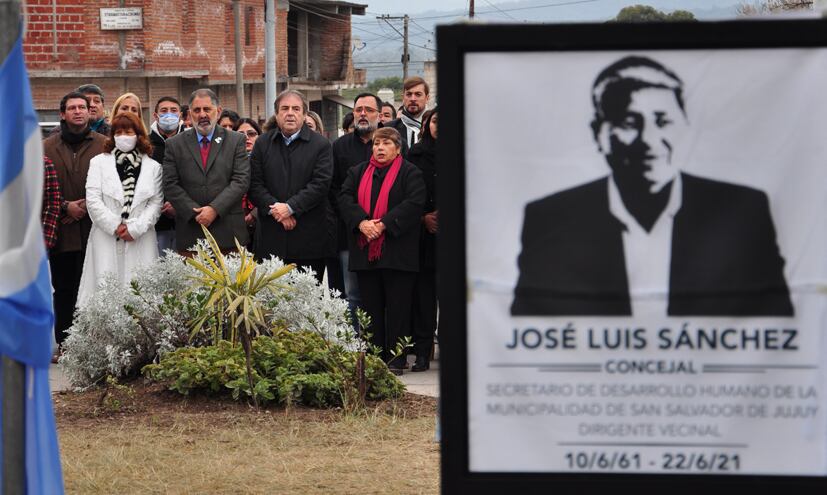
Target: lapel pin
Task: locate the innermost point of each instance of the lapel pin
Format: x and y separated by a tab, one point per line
218	140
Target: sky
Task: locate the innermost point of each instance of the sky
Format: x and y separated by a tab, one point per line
516	9
378	44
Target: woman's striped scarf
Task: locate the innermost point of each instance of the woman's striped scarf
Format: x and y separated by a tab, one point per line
129	168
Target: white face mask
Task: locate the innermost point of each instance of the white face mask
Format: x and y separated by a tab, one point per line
126	143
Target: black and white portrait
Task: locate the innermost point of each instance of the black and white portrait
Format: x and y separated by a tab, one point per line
646	206
651	226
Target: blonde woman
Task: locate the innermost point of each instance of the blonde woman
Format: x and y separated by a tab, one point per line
129	102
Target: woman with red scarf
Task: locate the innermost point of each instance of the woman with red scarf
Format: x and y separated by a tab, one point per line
381	204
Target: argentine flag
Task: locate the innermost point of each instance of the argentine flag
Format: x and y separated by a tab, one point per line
26	316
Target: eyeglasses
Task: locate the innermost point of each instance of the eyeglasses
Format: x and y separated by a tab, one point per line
367	110
251	133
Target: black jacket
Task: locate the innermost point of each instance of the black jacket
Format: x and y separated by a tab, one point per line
724	260
400	250
400	127
159	144
423	155
348	151
300	176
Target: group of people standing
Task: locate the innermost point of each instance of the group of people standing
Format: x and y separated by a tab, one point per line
117	195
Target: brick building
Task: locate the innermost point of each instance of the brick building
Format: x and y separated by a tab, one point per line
187	44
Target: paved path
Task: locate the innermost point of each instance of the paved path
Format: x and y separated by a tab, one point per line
423	382
57	380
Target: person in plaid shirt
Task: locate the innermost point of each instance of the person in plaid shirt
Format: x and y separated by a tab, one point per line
51	203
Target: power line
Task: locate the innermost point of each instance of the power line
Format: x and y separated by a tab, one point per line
320	14
559	4
422	28
501	11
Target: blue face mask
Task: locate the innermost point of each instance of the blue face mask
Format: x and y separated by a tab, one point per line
168	121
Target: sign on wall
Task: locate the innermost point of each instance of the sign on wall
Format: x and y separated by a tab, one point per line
643	236
122	18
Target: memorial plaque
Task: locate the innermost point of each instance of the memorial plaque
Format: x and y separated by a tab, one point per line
632	256
118	19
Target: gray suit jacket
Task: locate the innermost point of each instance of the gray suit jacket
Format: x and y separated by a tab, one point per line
226	179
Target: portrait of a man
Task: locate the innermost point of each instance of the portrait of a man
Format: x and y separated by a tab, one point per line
649	231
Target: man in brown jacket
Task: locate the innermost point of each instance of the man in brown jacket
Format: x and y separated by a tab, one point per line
70	150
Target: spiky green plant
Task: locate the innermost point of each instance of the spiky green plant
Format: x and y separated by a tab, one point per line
232	297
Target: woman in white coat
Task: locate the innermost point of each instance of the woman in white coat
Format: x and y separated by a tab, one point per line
123	197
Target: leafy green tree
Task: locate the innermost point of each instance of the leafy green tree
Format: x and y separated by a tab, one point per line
394	83
646	13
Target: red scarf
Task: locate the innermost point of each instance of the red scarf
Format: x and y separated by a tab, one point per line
381	208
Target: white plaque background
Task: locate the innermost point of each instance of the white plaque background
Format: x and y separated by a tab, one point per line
757	119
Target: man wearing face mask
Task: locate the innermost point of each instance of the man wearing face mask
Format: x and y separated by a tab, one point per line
649	238
206	172
70	150
166	124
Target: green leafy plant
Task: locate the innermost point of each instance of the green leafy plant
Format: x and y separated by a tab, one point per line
287	368
116	397
232	296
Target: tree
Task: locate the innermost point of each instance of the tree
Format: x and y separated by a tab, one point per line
645	13
771	6
394	83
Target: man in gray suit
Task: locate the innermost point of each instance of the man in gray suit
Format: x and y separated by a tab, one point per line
206	173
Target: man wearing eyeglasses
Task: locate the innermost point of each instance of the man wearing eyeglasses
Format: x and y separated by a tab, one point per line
291	173
350	150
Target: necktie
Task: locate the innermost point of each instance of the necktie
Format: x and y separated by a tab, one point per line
205	151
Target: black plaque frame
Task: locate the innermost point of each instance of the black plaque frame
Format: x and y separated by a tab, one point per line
454	42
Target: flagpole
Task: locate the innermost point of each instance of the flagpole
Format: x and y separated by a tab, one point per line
14	373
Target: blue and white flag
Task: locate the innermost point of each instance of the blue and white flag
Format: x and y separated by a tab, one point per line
26	316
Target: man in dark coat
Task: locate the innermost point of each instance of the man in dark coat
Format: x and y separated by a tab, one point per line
348	151
415	95
648	229
166	123
292	168
206	172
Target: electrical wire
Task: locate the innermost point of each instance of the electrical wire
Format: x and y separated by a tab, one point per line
506	14
514	9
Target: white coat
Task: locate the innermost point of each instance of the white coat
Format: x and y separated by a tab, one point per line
105	252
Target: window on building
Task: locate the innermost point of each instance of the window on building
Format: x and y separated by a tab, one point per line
249	25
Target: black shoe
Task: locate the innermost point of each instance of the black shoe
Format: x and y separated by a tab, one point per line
421	364
395	370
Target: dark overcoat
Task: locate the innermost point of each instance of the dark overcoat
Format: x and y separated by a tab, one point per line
405	202
423	155
298	174
188	185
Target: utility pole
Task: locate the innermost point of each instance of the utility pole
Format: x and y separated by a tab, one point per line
14	373
471	9
239	60
269	56
406	57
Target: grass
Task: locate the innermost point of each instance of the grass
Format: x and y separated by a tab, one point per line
197	446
